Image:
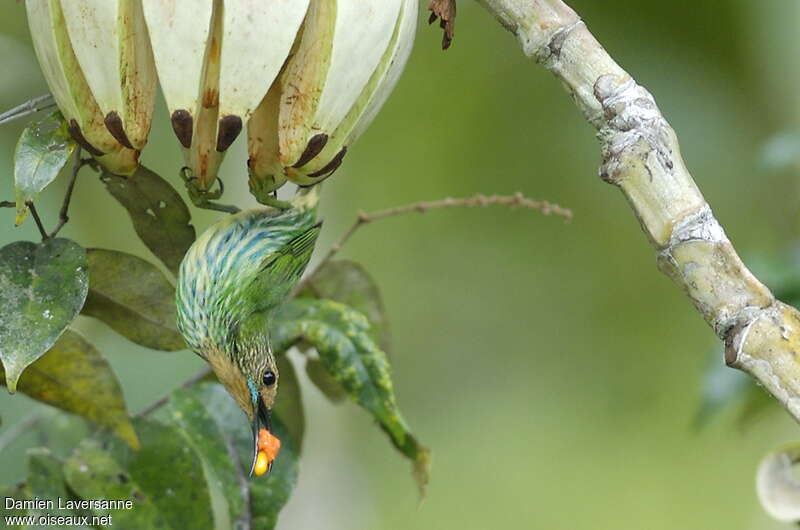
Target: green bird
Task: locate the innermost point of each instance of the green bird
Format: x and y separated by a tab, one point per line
231	283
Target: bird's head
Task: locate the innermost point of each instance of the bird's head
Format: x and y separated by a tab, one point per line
250	375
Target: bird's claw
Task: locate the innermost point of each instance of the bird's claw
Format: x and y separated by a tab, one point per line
203	198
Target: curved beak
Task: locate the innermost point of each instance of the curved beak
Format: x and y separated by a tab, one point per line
260	419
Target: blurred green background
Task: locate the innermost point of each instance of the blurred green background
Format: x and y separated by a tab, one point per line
552	369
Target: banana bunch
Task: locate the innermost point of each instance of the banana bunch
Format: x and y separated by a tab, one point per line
345	62
96	59
305	77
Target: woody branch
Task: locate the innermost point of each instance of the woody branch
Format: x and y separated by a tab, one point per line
641	156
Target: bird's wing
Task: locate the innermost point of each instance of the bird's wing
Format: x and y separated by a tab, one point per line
277	277
280	271
243	265
291	259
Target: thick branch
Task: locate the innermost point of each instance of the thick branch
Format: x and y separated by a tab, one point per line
641	156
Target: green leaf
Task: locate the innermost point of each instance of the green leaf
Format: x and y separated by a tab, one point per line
224	474
780	272
60	432
341	337
289	403
724	387
779	152
160	217
42	152
92	473
324	381
349	282
73	376
134	298
42	289
18	493
269	493
46	481
169	471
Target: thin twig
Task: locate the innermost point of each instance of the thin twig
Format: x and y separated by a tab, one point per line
514	201
63	215
38	220
7	204
29	107
163	400
18	429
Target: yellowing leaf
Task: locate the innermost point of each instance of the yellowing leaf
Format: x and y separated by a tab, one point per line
74	377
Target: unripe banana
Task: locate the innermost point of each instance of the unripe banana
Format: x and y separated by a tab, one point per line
110	41
71	88
347	61
305	76
216	60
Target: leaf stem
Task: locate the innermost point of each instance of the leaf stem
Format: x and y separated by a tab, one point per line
517	200
163	399
63	214
29	107
18	429
38	220
218	207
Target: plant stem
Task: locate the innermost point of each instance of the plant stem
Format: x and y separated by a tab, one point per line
38	220
514	201
642	157
29	107
217	207
163	399
63	214
18	429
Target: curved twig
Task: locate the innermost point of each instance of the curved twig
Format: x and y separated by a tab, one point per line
476	201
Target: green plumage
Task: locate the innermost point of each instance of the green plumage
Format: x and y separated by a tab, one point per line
238	273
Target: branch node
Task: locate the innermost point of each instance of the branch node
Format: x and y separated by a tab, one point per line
736	334
701	225
551	50
633	128
641	154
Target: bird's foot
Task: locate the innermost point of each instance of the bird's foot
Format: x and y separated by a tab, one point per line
204	198
266	194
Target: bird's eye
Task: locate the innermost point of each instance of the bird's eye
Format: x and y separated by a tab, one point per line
269	378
